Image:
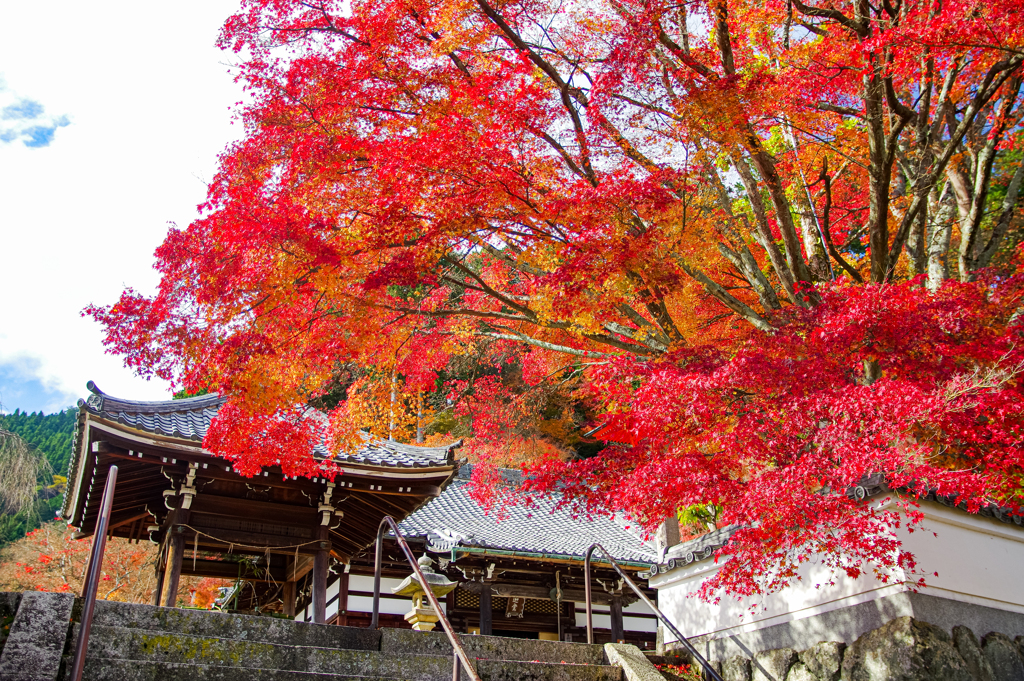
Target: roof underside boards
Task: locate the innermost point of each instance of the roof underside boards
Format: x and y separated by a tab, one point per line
454	519
156	444
189	419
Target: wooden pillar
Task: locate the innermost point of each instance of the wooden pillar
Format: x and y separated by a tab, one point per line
343	599
288	596
159	570
449	606
485	610
175	554
616	611
321	561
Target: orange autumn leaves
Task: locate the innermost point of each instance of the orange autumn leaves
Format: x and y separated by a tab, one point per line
507	221
48	559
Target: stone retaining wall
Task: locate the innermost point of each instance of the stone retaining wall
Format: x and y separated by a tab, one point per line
904	649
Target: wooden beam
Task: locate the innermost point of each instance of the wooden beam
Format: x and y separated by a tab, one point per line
251	509
297	569
120	523
230	570
542	592
224	537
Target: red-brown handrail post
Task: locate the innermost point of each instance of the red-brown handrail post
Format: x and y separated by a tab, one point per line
460	652
92	578
664	620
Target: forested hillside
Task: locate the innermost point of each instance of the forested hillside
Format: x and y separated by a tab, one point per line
51	435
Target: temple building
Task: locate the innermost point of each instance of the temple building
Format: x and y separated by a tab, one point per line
303	548
271	531
520	571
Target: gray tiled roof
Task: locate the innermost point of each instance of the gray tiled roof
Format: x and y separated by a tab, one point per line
190	418
454	518
694	550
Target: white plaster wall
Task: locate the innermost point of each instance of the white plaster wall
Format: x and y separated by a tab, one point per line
388	603
600	621
978	560
393	606
603	618
365	583
638	607
638	624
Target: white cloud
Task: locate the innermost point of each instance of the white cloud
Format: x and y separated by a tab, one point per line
25	121
147	95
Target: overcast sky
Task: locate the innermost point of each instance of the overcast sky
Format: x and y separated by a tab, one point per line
111	118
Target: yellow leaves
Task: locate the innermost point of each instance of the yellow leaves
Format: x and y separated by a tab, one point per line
60	483
383	405
511	452
585	322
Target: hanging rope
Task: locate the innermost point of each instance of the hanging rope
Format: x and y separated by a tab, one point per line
231	545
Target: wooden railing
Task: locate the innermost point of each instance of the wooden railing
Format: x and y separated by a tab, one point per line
459	659
92	578
709	670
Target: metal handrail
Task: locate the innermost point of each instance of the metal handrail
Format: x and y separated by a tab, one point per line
459	651
92	579
661	616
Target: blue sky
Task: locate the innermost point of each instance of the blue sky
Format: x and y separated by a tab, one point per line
109	129
21	388
26	121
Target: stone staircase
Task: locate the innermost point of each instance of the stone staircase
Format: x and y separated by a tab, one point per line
145	643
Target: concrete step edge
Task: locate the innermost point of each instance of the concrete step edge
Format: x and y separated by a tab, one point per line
147	646
520	670
227	626
114	669
492	647
99	631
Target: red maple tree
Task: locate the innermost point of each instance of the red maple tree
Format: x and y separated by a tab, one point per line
49	558
773	242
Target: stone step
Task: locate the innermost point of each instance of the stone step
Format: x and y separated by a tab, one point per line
106	669
412	664
120	643
287	632
241	627
491	647
513	670
103	669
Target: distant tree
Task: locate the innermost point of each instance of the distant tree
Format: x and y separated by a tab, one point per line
51	434
185	394
48	559
49	438
21	467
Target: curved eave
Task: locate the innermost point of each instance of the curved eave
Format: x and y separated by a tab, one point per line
172	450
560	557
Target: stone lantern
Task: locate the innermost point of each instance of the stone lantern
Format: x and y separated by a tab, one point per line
423	617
